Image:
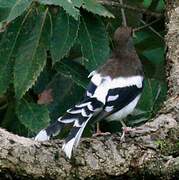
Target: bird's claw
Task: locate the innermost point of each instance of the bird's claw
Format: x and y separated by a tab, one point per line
126	130
101	134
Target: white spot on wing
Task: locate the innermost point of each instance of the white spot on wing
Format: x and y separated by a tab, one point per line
96	79
82	105
75	111
83	112
108	108
112	98
90	107
68	120
76	124
92	74
102	90
89	94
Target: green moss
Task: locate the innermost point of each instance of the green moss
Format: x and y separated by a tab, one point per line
169	146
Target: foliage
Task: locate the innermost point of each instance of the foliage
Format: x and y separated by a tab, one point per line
48	48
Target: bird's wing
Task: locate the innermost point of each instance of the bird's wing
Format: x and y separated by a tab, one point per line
119	98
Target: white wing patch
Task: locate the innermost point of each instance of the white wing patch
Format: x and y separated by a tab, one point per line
83	112
108	108
74	111
82	105
92	74
89	94
126	81
96	79
104	83
112	98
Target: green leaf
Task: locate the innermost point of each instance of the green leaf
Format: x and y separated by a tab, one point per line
77	3
65	32
33	116
74	71
154	93
68	6
7	4
161	6
96	8
94	42
66	93
156	56
147	3
7	46
4	12
31	55
18	8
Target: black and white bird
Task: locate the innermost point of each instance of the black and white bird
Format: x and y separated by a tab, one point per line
112	94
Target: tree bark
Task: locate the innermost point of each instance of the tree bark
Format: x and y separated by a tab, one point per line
152	152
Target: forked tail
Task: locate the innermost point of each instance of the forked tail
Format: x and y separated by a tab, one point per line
79	116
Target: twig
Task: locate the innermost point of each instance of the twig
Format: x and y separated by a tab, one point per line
152	29
146	25
124	22
132	8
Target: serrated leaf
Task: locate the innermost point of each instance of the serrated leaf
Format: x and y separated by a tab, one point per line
31	55
74	71
7	46
94	42
65	31
47	31
96	8
68	6
18	8
33	116
77	3
7	4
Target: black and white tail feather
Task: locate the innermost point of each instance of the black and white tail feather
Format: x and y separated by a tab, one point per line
106	97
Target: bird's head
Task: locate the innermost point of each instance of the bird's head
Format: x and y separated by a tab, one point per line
122	35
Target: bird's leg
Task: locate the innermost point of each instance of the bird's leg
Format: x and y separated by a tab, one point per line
99	132
132	131
125	130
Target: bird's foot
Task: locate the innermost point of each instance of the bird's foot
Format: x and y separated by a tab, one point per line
133	132
126	130
100	133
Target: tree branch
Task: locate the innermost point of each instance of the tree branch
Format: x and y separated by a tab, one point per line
103	156
129	7
153	151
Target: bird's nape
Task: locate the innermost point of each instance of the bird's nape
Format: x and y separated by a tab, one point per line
122	34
